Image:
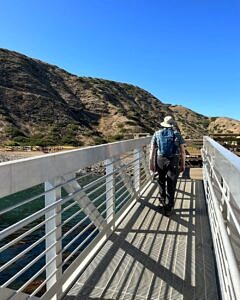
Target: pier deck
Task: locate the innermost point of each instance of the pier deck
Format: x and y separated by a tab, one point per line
151	256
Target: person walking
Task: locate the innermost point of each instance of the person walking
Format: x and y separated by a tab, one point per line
167	157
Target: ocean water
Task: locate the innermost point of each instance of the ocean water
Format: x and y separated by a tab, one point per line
23	211
16	215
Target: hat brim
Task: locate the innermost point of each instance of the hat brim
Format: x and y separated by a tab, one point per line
166	124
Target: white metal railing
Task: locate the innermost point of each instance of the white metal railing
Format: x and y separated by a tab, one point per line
56	210
221	170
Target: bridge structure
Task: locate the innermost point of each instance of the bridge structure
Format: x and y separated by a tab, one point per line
87	224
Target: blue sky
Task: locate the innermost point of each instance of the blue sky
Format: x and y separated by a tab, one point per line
184	52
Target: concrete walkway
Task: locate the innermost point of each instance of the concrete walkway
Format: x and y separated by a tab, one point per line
151	256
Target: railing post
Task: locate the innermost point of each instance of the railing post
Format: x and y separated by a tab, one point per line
223	202
136	169
53	240
110	190
145	158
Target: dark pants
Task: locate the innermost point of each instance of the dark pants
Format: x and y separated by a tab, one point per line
168	173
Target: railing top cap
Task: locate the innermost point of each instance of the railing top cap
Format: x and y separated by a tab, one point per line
23	173
230	156
106	147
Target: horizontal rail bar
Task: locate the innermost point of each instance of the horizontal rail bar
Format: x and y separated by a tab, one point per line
36	170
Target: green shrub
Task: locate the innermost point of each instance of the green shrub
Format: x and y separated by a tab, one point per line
68	140
8	119
205	123
212	119
131	123
98	140
14	132
116	137
12	143
73	127
120	125
123	130
89	133
134	118
22	140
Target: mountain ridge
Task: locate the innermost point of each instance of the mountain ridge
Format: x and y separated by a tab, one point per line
41	103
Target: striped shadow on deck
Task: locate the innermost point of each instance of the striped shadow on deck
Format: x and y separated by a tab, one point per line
151	256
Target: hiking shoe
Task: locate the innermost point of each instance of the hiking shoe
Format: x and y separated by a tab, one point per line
168	211
162	201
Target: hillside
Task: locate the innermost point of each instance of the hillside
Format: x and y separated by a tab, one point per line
191	124
224	125
43	104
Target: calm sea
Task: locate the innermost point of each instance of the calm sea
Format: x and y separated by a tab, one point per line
23	211
18	214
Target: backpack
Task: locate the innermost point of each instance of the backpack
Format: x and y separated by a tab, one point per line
167	142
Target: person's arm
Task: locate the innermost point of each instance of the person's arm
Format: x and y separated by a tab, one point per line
152	159
183	158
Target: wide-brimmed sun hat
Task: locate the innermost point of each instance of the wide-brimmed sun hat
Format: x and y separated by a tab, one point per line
168	121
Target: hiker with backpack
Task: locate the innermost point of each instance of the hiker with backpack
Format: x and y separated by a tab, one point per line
167	157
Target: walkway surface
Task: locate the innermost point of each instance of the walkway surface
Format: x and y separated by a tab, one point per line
151	256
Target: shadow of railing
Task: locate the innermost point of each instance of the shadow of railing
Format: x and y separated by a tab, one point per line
169	252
